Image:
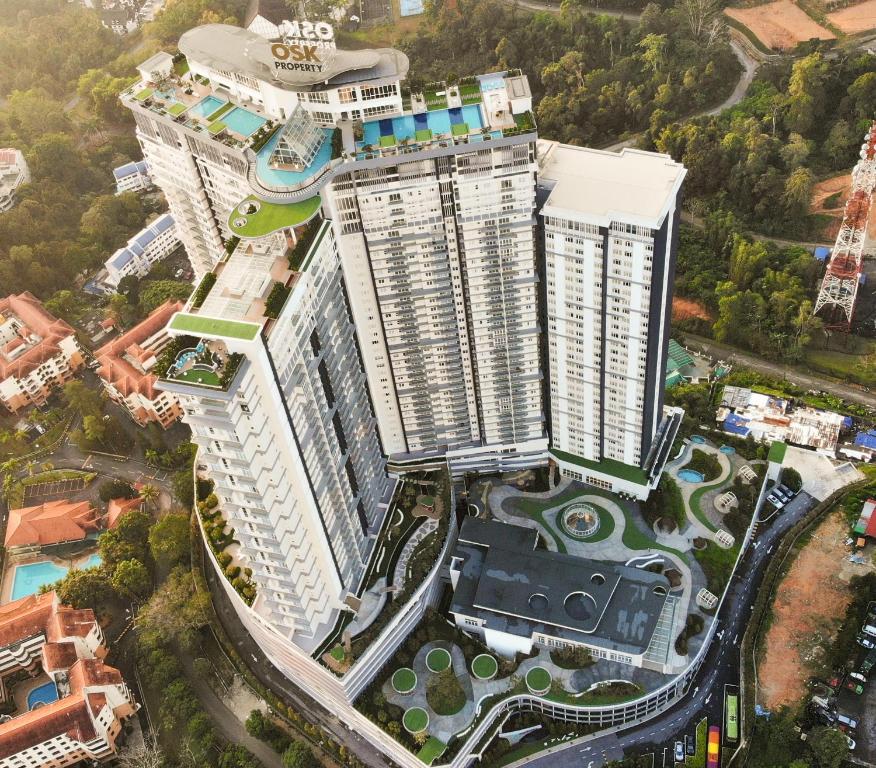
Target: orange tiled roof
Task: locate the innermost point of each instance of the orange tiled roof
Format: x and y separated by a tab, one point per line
50	523
57	656
70	622
25	618
118	371
117	507
27	308
68	715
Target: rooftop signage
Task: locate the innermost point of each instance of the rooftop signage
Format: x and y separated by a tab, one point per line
306	46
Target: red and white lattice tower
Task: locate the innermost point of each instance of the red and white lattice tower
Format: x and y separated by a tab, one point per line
839	289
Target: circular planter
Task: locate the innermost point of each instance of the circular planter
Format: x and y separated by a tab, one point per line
538	680
415	720
404	680
484	667
437	660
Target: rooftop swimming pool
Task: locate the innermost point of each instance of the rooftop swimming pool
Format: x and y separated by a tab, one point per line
44	694
690	476
275	177
207	107
242	121
28	578
413	127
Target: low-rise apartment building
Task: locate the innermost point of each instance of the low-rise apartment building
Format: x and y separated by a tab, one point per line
13	173
38	352
132	177
126	365
150	245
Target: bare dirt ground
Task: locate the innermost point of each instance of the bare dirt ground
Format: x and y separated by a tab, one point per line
855	18
683	308
809	605
821	191
780	25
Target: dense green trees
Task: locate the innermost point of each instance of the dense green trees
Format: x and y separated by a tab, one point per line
597	77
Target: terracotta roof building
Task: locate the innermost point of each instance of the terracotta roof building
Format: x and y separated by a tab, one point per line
51	523
91	700
126	365
118	507
38	352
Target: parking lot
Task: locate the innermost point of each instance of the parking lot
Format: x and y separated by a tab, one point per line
45	491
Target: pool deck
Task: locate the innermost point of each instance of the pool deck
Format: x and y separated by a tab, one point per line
12	563
21	691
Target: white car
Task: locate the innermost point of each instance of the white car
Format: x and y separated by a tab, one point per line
679	752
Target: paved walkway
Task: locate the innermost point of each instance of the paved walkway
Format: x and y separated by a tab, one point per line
400	574
695	527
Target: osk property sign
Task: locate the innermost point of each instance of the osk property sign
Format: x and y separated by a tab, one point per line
306	48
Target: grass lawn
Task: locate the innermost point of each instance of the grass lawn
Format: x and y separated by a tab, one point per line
698	759
538	679
272	216
777	452
606	524
193	376
431	750
198	324
181	67
437	660
484	666
717	564
216	127
424	134
176	109
387	141
470	89
144	94
404	680
460	129
226	107
696	498
337	653
416	719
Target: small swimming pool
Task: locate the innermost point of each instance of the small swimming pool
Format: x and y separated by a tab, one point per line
45	694
699	439
93	562
410	127
690	476
728	449
28	578
242	121
207	107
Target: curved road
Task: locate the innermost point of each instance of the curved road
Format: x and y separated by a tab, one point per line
720	668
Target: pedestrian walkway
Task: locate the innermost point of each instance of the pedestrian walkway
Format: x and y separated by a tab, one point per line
400	575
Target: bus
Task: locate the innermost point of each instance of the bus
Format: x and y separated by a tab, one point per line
714	748
731	718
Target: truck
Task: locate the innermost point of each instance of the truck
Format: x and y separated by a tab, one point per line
713	749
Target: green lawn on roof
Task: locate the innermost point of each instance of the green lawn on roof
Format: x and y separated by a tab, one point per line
437	660
212	326
337	653
226	107
431	750
484	666
424	134
404	680
273	216
777	452
470	89
415	720
387	141
176	109
144	94
538	679
216	127
195	376
460	129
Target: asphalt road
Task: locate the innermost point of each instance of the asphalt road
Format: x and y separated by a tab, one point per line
720	668
819	382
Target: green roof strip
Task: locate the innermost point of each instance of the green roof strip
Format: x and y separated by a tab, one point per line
213	326
606	466
777	452
271	217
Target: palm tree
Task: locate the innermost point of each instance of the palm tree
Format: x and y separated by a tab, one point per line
151	456
150	494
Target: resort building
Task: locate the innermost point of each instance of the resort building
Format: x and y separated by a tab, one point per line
132	177
149	246
13	173
516	597
38	352
127	369
71	706
610	225
53	522
115	508
744	412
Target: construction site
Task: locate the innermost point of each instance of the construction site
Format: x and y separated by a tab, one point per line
846	273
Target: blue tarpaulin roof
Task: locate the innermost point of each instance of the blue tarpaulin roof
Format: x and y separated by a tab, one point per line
847	422
866	439
736	425
822	253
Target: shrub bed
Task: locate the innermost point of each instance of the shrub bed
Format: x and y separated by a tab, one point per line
444	693
706	464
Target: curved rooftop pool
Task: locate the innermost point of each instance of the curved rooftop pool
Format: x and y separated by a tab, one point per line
279	179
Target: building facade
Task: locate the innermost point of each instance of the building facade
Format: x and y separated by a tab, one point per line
38	352
13	173
126	369
150	245
132	177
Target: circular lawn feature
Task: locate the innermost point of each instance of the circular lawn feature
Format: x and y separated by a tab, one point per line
538	680
484	667
602	528
404	680
438	659
415	720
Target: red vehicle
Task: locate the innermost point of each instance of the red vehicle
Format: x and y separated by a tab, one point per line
714	748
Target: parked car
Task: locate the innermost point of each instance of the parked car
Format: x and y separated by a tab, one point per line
775	501
848	722
865	641
869	629
858	676
855	687
851	742
679	752
690	745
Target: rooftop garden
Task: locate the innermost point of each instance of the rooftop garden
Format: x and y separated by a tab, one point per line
276	299
212	326
203	289
194	361
257	218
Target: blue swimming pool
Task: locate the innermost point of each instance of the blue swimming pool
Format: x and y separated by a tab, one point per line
690	476
728	449
28	579
93	562
275	177
492	83
437	121
207	107
243	121
697	439
45	694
